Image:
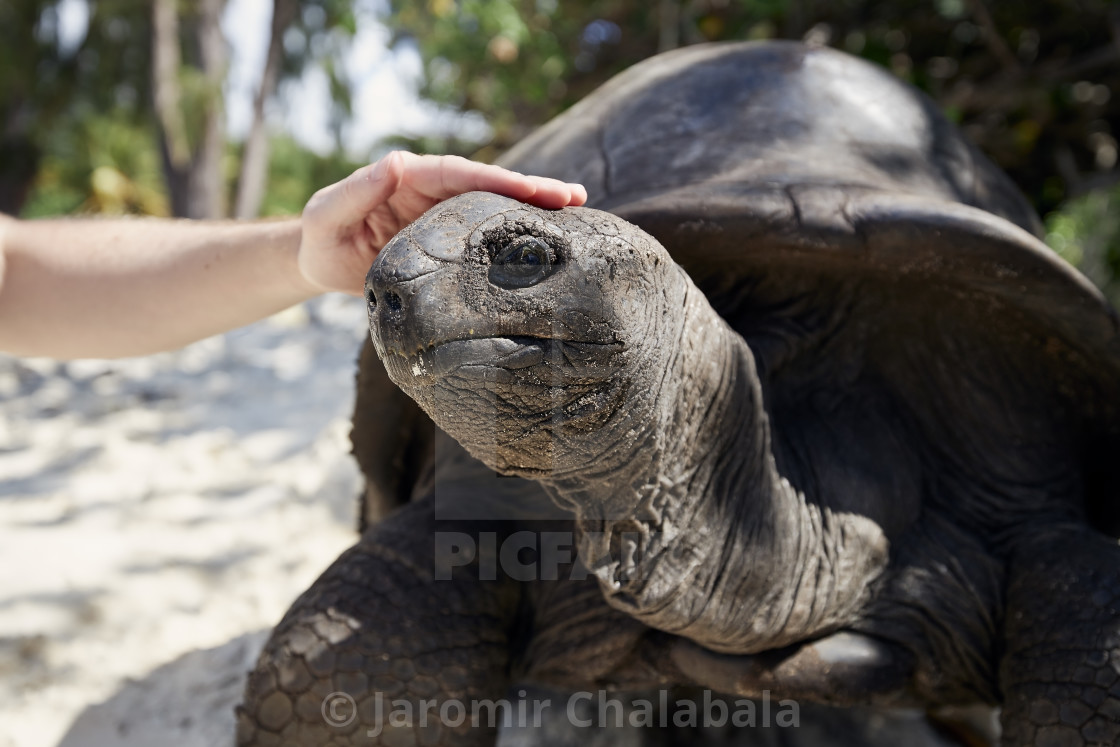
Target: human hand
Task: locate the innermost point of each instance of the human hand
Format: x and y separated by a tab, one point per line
345	225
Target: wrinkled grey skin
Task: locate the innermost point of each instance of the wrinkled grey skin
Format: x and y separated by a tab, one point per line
614	384
858	451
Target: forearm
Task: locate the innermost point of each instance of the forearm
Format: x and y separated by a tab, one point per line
112	288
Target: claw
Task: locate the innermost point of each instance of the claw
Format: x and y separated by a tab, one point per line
844	669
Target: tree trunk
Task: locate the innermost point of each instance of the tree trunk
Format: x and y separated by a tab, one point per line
254	161
669	25
193	174
166	95
207	180
19	164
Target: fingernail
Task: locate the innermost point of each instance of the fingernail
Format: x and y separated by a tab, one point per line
379	169
382	166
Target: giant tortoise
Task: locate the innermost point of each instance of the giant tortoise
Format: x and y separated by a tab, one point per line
828	421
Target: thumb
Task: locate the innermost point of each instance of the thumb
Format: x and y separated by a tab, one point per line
352	199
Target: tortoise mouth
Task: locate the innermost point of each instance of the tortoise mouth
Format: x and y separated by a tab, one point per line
524	359
478	357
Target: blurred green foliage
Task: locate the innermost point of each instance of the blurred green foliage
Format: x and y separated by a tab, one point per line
1033	84
295	173
109	164
69	107
98	163
1086	233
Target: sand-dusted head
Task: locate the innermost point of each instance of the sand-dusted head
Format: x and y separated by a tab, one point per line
523	331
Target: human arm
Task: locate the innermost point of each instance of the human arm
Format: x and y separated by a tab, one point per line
107	288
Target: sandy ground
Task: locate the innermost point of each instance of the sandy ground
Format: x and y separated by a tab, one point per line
158	515
153	506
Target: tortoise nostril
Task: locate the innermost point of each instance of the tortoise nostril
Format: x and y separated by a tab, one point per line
371	299
394	301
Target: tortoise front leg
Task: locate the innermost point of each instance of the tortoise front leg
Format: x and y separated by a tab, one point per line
1060	674
843	669
378	628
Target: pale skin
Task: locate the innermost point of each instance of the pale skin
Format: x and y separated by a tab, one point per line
107	288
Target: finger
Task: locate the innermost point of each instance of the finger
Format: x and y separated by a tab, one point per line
553	193
352	199
579	194
545	192
370	186
458	175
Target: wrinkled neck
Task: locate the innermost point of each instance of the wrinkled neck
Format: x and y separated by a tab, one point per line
692	530
699	465
708	437
692	388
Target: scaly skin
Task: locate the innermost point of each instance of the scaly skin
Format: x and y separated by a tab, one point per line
378	622
647	420
1061	670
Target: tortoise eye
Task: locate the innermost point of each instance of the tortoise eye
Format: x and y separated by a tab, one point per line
526	261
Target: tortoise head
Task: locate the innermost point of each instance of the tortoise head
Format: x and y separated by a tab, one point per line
530	336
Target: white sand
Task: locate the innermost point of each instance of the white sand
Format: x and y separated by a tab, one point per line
158	515
153	506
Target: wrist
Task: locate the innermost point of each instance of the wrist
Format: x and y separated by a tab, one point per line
287	237
7	224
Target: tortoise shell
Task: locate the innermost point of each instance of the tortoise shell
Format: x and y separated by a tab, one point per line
845	228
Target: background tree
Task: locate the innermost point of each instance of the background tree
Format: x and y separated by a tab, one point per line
300	33
88	126
188	104
28	42
254	160
148	73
